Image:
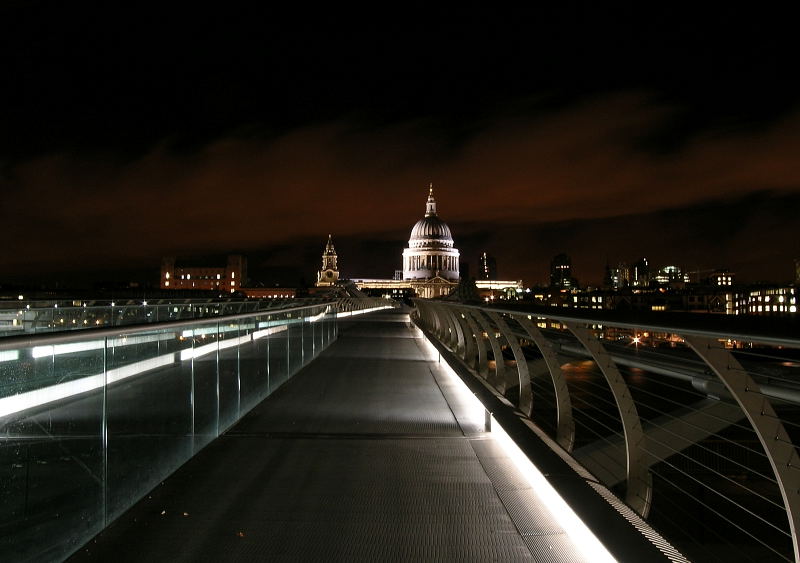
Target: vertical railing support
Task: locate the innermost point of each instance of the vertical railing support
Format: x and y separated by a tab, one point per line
777	444
640	485
481	364
498	381
565	424
468	335
525	402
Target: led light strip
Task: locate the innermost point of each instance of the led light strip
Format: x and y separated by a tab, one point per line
581	536
38	397
362	311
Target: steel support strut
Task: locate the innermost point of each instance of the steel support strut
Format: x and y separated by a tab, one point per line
482	365
778	447
640	486
565	430
525	403
499	380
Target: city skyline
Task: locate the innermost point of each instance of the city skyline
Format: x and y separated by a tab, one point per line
604	134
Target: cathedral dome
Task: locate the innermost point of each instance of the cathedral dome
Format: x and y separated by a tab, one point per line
430	231
430	253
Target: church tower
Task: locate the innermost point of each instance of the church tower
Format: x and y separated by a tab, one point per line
329	273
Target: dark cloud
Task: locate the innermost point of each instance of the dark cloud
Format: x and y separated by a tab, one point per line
560	174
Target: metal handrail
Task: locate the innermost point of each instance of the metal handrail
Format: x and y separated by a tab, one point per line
15	342
747	394
595	317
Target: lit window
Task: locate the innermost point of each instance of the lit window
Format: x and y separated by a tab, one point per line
792	308
233	283
233	275
219	276
167	275
188	276
166	284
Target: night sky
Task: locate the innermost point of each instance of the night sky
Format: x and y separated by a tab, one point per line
128	133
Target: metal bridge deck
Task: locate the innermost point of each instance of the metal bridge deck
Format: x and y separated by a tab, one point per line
366	454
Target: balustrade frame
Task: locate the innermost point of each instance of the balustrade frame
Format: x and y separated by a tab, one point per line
777	444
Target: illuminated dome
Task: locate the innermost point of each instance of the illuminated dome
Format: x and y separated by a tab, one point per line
430	251
430	230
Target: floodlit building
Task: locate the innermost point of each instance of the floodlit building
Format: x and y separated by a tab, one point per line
329	273
203	275
431	252
431	264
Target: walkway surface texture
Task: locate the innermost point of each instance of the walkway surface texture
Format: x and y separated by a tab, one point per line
366	454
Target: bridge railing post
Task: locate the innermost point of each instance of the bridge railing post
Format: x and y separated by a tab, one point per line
768	426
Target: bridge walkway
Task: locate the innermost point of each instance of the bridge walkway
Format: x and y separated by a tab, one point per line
369	453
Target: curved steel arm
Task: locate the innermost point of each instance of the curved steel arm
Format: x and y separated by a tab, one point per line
640	486
525	403
454	336
565	429
468	335
768	427
482	366
499	380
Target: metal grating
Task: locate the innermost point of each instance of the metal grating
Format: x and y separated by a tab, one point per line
355	459
553	548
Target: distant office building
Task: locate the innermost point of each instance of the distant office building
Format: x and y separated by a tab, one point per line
561	272
721	278
671	275
770	300
329	273
623	275
490	290
617	278
270	292
488	267
201	275
640	273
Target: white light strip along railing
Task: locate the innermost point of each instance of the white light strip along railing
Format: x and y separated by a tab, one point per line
361	311
268	331
580	535
60	391
9	355
75	347
477	411
71	348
